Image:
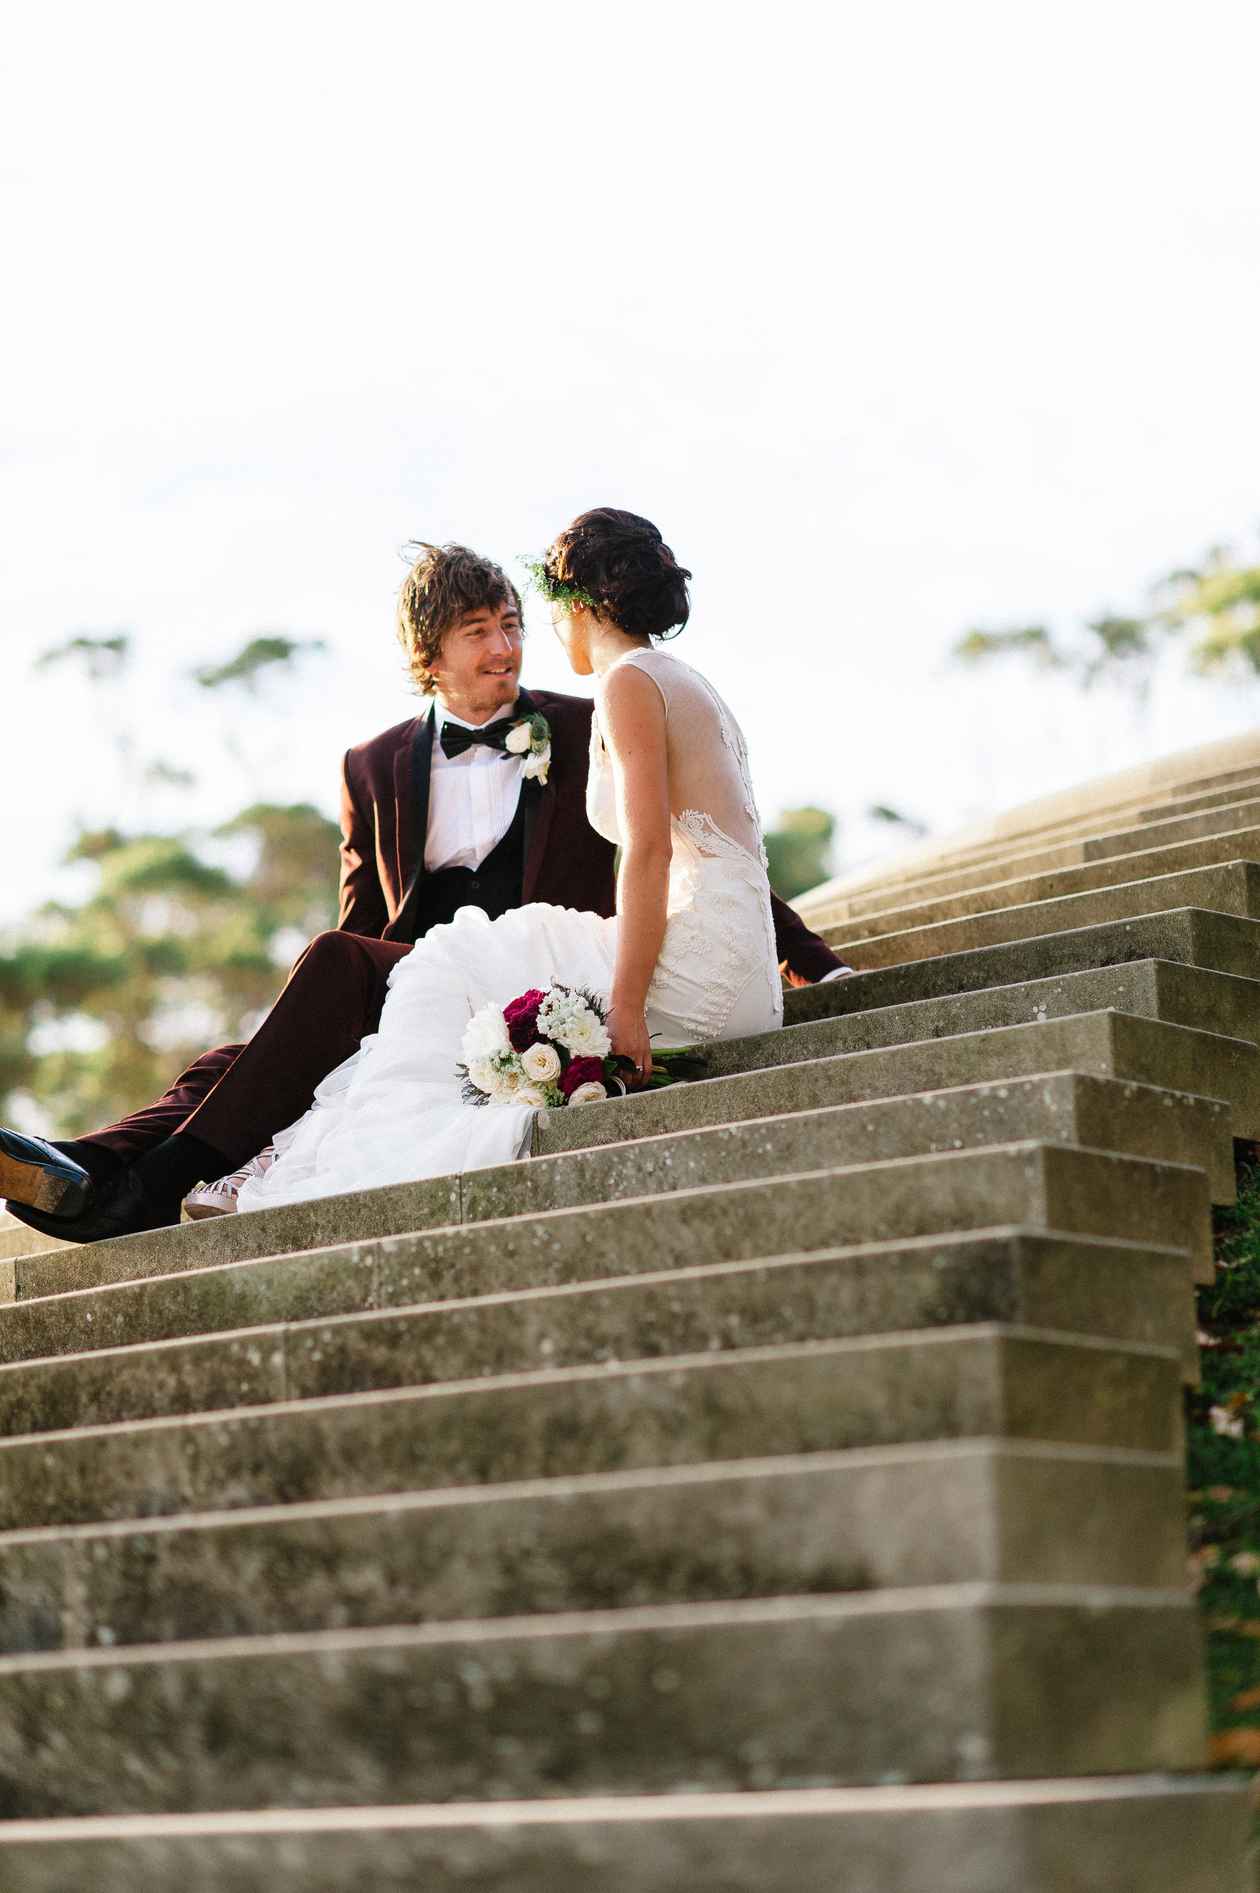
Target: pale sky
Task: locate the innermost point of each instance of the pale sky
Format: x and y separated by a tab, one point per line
896	319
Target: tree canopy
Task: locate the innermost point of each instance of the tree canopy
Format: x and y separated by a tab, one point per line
1209	614
178	941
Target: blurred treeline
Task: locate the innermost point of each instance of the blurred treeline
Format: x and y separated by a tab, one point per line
181	936
1204	618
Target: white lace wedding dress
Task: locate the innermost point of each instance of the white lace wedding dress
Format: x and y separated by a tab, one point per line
393	1112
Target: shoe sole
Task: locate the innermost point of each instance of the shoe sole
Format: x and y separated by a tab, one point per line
35	1186
197	1212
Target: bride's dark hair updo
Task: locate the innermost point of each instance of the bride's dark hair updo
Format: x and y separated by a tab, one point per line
620	562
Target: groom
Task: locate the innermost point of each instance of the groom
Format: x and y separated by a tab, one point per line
479	801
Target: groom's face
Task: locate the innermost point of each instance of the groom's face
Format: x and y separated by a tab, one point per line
479	665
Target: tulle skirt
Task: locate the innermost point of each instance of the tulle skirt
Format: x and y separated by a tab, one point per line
393	1112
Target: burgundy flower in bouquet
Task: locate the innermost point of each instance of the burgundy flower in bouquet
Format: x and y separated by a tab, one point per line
521	1019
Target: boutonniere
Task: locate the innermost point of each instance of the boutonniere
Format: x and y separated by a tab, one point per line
531	738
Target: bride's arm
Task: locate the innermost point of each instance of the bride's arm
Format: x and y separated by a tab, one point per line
633	716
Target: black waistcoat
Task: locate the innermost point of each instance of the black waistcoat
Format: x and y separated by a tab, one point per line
495	885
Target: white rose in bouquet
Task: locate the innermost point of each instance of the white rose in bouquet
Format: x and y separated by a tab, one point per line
541	1064
588	1036
483	1074
485	1034
589	1093
530	1094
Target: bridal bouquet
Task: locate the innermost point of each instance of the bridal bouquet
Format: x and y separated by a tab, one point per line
551	1049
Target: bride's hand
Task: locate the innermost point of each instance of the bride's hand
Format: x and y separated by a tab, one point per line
627	1028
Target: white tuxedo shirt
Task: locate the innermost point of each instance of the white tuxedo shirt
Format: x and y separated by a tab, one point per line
472	797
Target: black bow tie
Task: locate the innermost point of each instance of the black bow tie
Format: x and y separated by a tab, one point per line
456	738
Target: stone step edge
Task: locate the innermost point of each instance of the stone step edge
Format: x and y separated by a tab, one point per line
572	1486
945	850
728	1361
856	941
270	1331
1139	812
912	915
1140	923
893	1800
1153	829
1025	1081
943	1598
784	1181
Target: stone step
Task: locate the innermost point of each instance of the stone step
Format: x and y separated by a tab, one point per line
935	1684
987	1380
1070	1284
1046	1186
1127	1834
1111	1045
17	1239
1060	1107
1078	852
1232	888
984	1511
1222	943
1207	1002
914	864
1202	798
1240	844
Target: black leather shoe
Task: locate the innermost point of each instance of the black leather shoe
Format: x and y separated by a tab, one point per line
36	1175
118	1209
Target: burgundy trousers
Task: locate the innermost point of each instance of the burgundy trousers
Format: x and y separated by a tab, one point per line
236	1097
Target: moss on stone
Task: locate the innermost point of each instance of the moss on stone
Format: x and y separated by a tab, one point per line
1223	1454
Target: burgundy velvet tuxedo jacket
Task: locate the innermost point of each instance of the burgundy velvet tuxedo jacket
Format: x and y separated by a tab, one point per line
384	812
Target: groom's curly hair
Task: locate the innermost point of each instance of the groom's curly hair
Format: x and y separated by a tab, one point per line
443	583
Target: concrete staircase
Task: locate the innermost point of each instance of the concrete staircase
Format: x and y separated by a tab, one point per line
776	1484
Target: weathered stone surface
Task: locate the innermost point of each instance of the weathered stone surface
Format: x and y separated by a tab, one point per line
1108	1045
1060	1107
1152	1051
17	1239
1092	805
1069	854
1053	1187
219	1239
1155	1834
1069	1284
983	1381
943	1684
1194	936
1051	858
895	1516
1232	889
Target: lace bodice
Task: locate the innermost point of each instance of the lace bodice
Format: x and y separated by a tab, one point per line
718	962
711	799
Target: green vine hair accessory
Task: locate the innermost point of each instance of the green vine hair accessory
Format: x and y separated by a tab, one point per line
557	591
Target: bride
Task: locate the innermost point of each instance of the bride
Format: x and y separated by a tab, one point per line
688	956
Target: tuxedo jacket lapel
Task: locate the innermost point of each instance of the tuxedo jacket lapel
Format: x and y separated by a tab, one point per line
411	790
411	787
540	802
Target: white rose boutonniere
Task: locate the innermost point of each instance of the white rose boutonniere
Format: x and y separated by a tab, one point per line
531	738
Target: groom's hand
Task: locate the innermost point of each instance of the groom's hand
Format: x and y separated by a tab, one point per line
799	979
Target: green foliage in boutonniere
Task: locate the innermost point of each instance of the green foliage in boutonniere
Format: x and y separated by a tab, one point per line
558	591
531	738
